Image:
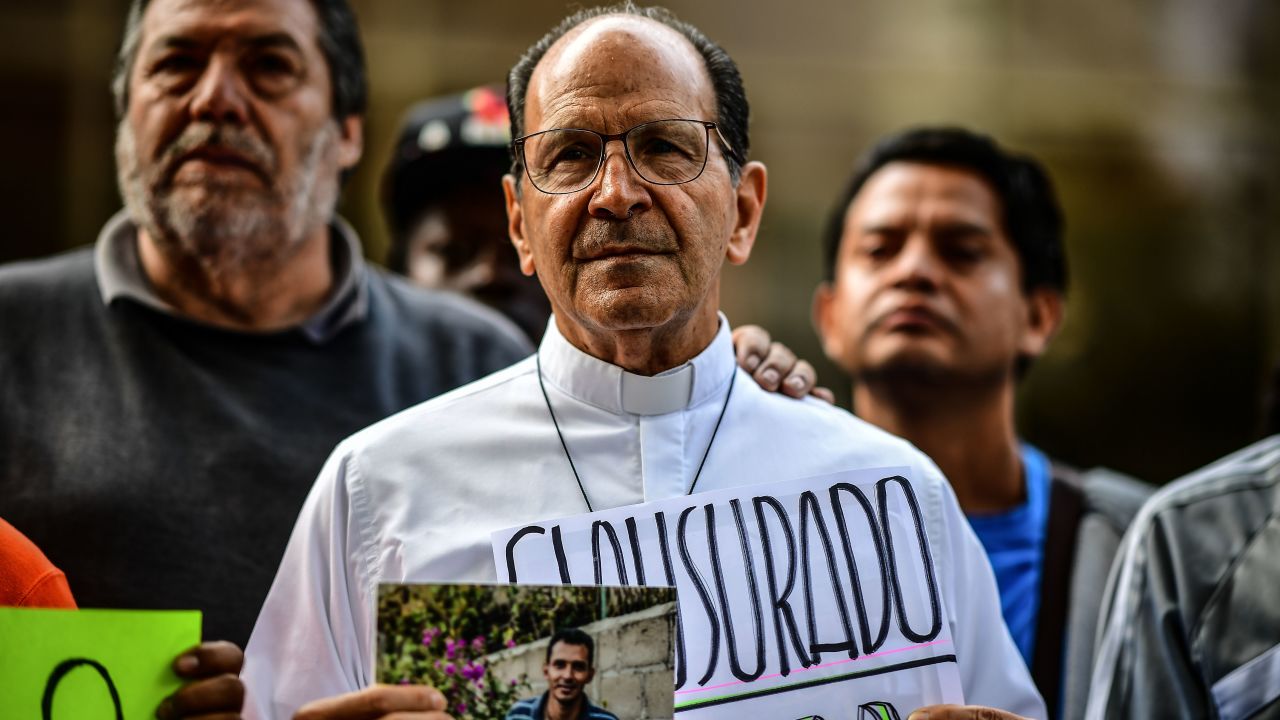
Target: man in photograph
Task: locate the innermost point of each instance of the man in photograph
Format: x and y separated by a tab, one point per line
569	668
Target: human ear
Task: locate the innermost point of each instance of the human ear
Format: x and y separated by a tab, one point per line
515	224
350	141
1045	312
825	323
751	192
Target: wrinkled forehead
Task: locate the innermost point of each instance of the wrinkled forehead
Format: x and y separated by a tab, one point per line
619	70
206	22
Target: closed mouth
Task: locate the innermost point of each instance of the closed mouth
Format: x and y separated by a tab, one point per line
222	156
620	252
913	318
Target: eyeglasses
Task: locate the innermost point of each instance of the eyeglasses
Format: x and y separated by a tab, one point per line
663	152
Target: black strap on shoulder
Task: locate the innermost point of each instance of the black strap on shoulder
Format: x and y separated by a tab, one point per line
1066	506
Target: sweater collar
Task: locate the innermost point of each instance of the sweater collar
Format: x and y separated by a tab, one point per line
120	275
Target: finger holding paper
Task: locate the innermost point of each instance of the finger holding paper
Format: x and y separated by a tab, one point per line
962	712
380	702
213	687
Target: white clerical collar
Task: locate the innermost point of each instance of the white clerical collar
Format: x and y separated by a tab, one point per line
611	388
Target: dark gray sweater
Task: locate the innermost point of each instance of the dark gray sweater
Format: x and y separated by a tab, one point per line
161	463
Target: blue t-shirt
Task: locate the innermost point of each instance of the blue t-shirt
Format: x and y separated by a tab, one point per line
535	708
1014	541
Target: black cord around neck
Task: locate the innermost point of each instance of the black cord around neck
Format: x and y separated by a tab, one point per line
542	386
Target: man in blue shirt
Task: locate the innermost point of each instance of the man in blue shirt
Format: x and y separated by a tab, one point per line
945	278
569	668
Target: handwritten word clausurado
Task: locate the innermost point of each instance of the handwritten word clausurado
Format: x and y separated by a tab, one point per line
842	569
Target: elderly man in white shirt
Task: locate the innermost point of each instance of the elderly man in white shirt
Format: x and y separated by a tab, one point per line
632	190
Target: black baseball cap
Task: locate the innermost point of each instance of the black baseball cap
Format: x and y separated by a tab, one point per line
444	144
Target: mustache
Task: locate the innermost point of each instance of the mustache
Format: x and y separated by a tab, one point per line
599	238
225	140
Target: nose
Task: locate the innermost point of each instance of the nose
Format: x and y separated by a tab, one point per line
220	95
917	265
619	193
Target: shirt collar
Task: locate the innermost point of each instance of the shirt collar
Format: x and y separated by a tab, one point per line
540	706
120	275
611	388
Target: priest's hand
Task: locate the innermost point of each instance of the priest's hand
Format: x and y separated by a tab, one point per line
959	712
774	366
401	702
213	688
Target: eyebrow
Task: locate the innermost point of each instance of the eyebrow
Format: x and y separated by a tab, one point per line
956	227
965	227
175	42
879	227
268	40
275	40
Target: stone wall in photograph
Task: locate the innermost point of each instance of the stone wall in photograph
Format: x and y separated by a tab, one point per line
634	663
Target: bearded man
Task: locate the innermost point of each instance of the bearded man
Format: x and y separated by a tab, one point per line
170	393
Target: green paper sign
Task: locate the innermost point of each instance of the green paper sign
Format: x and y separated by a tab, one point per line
90	664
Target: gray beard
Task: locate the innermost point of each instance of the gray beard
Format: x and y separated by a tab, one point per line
228	230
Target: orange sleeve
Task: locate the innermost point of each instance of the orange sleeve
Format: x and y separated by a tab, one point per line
27	578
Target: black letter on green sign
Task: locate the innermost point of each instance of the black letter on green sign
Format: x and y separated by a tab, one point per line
59	672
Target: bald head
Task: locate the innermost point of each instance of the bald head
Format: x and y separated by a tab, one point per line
593	48
729	107
619	59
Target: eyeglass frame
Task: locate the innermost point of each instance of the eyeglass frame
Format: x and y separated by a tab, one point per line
517	146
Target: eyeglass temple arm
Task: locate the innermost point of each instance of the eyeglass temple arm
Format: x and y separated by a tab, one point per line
733	152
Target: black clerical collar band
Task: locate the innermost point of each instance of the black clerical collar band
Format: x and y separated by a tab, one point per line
119	272
609	387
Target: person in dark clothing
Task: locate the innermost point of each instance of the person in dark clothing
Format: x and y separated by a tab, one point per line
171	393
442	199
945	278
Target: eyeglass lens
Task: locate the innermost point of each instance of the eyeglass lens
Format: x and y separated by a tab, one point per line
666	152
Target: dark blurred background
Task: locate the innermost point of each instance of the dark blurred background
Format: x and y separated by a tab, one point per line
1157	120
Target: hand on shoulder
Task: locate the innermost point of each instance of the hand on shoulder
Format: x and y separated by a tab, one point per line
775	366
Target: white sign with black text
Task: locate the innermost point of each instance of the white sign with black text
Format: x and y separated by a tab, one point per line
813	597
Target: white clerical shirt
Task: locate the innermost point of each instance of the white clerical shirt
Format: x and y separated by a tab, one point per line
415	497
